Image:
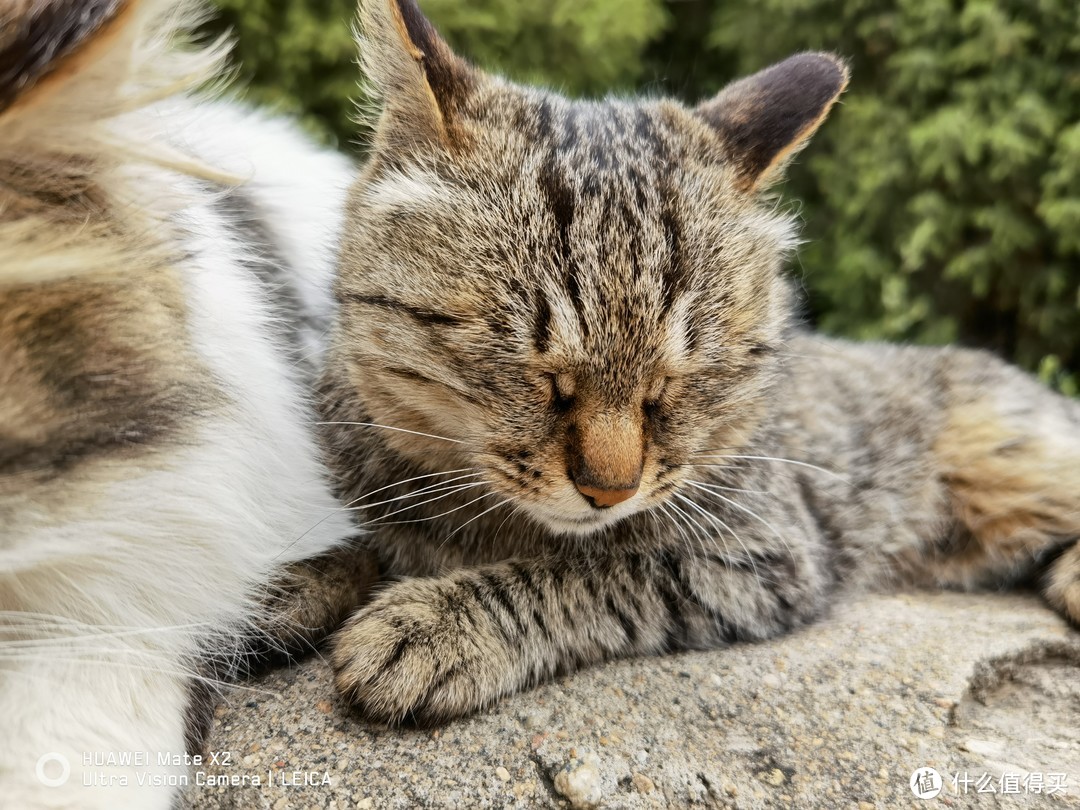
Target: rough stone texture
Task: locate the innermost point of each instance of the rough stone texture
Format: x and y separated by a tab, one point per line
838	715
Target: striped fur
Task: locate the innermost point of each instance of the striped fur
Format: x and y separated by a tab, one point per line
164	274
547	301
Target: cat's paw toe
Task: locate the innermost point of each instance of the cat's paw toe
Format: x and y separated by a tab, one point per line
412	657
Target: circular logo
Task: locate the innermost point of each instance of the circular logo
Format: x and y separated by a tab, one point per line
53	777
925	783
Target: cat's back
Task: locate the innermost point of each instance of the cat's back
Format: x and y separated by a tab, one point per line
139	303
889	386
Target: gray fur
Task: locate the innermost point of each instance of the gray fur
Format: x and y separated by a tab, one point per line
531	282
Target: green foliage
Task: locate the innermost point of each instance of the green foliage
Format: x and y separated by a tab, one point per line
582	47
297	56
942	201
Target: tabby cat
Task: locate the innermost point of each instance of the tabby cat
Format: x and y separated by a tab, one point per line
568	396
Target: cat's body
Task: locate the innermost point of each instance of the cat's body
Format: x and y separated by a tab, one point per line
567	394
876	467
860	456
164	267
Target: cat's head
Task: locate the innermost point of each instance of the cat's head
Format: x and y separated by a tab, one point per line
586	296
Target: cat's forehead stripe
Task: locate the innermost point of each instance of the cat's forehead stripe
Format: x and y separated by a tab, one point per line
542	325
606	136
606	169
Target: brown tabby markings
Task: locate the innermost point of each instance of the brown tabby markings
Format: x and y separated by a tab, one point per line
67	346
93	368
1012	491
567	397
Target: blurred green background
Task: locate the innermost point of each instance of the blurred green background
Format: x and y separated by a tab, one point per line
941	201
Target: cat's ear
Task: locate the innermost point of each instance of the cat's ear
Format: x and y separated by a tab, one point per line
764	119
46	44
418	80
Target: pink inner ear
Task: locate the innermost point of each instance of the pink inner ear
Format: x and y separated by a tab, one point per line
764	118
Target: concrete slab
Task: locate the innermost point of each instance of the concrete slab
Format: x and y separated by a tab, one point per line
979	687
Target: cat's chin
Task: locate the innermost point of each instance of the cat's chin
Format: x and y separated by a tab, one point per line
579	525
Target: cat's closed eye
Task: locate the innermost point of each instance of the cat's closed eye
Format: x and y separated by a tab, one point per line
655	394
563	388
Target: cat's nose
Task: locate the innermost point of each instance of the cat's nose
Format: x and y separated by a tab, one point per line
605	455
604	498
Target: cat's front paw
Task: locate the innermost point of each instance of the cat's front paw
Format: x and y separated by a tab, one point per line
421	653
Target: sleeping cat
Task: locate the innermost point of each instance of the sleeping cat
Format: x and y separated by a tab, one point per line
164	281
567	394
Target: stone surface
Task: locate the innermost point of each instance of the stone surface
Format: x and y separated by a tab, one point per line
838	715
578	781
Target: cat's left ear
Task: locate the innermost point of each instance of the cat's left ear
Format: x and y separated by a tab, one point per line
420	82
764	119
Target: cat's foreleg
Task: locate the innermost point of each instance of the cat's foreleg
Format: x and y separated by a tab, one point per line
431	649
305	602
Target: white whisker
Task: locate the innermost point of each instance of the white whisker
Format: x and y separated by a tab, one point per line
777	460
8	619
732	532
125	665
410	480
696	529
752	514
433	517
453	491
441	486
91	638
495	536
727	489
345	508
475	517
663	506
399	430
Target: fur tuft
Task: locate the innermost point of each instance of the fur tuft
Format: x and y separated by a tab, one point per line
75	135
141	55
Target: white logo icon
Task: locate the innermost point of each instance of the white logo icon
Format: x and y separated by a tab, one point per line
925	783
52	779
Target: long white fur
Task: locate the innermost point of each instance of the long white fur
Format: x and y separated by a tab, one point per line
103	609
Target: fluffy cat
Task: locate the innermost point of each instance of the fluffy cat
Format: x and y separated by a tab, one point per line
567	393
164	282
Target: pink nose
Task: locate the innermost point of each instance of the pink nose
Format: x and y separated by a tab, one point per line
603	498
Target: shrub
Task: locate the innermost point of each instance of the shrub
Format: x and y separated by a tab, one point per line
943	201
298	55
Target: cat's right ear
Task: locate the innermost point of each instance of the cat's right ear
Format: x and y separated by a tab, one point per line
418	81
